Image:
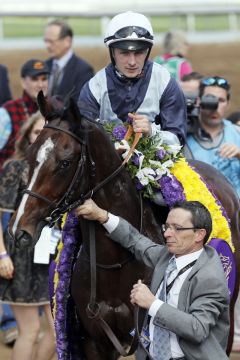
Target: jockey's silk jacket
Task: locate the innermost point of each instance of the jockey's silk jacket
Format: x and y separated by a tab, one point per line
108	96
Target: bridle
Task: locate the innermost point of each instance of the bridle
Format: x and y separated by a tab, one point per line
65	204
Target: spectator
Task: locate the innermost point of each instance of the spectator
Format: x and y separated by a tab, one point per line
68	72
24	281
5	92
188	305
175	49
190	83
132	88
217	140
34	77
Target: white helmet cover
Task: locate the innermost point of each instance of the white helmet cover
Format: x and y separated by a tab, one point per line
129	26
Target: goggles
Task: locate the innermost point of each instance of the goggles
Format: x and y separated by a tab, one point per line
128	32
211	81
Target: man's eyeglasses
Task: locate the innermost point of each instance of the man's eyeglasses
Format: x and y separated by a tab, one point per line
127	31
215	80
176	228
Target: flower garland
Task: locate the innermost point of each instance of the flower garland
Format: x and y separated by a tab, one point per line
195	188
151	160
62	278
158	166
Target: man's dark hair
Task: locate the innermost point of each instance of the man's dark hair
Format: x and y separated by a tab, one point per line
217	81
194	75
201	217
65	29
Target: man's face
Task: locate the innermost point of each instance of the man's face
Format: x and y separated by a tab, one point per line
215	118
56	46
190	87
32	85
129	63
186	241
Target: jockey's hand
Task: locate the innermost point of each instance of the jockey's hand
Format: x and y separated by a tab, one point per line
6	268
229	151
141	295
141	124
90	211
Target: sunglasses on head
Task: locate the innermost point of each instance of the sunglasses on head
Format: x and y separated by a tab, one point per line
128	31
215	81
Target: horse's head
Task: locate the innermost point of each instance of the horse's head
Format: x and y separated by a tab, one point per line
53	160
61	168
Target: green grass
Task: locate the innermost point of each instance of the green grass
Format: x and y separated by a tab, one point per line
34	26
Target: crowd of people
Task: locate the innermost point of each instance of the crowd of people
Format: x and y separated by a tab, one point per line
153	96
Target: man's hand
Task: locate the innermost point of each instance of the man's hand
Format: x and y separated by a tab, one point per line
90	211
141	124
141	295
229	151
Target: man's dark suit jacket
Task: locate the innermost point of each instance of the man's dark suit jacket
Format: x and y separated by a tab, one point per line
5	92
76	72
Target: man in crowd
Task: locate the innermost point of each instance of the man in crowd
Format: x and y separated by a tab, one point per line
188	302
68	72
34	77
133	88
216	141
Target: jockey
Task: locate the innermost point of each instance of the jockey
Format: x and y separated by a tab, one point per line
133	88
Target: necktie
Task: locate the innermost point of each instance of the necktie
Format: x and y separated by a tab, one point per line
161	337
56	72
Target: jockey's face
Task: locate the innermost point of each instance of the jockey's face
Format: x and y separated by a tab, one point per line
32	85
56	46
213	119
185	241
130	62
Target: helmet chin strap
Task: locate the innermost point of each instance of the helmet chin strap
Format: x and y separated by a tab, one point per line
120	74
124	77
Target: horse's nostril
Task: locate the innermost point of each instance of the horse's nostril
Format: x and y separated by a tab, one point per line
23	239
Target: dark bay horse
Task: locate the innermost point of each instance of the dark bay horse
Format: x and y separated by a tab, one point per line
73	159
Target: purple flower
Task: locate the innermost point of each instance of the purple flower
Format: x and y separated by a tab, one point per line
135	159
172	190
119	132
161	153
139	186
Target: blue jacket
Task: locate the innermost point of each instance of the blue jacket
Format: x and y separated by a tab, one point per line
107	96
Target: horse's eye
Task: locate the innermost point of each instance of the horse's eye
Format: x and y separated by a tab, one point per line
63	164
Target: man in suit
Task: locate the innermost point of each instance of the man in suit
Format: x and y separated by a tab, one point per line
68	72
5	92
193	318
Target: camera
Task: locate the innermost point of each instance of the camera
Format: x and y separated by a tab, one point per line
207	102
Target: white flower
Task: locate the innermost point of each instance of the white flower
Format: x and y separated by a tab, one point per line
140	157
160	172
145	175
168	164
173	149
122	145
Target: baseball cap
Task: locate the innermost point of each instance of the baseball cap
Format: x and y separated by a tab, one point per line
34	67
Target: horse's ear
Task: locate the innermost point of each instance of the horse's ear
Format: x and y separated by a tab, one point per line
74	109
45	106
